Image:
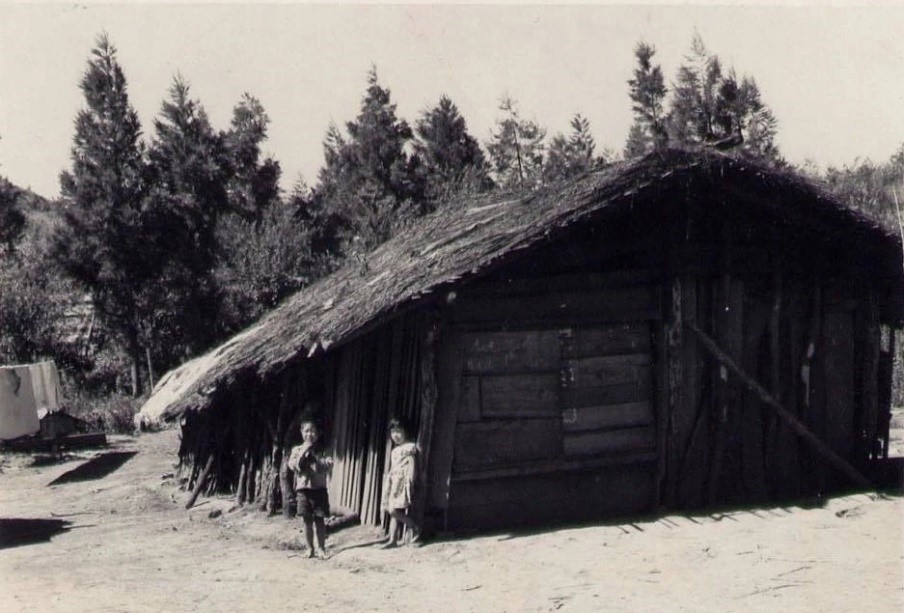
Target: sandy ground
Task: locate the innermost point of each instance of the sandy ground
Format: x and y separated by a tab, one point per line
130	546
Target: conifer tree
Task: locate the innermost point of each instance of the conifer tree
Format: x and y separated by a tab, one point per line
568	157
516	149
452	158
186	196
254	178
368	180
100	245
647	91
711	108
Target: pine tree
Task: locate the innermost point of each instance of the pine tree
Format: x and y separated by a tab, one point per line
708	107
516	150
759	125
694	94
572	156
187	196
452	158
368	181
100	246
647	91
254	182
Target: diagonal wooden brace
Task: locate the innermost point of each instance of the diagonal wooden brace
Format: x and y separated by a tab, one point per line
795	424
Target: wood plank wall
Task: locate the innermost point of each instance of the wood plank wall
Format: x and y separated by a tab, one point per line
552	406
376	378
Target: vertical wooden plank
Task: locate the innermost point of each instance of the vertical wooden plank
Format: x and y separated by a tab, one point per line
429	396
720	374
869	407
753	475
734	346
450	363
815	389
885	378
673	332
661	412
839	382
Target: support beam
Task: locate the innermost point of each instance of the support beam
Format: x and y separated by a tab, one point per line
834	459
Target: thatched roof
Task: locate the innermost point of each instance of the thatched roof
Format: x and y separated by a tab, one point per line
453	245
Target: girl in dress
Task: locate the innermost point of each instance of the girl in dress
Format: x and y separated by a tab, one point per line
398	484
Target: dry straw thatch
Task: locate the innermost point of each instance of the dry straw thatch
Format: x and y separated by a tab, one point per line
457	243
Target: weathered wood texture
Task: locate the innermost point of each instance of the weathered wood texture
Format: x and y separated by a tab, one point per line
559	385
552	497
378	376
824	450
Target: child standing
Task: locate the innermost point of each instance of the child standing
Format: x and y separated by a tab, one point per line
311	464
398	485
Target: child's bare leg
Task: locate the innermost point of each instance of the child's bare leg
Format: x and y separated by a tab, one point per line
393	531
309	535
320	529
409	523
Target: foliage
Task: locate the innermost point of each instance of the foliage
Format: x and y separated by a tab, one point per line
368	179
711	108
253	184
267	262
871	188
647	91
12	220
103	195
516	149
112	413
451	157
186	195
573	156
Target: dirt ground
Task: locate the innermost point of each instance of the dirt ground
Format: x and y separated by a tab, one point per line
118	539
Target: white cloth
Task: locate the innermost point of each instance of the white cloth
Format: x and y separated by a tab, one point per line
28	392
18	416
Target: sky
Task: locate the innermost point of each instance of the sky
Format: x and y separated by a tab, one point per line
833	75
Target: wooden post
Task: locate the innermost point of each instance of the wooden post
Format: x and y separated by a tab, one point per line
722	321
753	477
886	377
662	408
771	439
429	396
199	485
818	445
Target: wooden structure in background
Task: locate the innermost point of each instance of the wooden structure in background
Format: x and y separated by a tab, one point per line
683	331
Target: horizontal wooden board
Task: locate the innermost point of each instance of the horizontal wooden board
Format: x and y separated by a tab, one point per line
608	370
505	442
608	416
627	304
585	342
591	494
599	442
501	352
561	465
561	282
620	393
469	399
520	395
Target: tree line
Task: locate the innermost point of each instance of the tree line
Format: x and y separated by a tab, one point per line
182	237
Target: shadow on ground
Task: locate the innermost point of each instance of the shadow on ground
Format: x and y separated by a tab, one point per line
641	522
96	468
17	532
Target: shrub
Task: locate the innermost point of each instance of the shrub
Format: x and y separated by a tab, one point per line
112	414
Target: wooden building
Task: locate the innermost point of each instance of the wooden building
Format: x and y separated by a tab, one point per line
683	330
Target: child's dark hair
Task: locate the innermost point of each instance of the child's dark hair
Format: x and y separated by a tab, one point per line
400	423
310	418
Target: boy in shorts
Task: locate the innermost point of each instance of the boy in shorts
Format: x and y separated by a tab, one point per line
312	464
